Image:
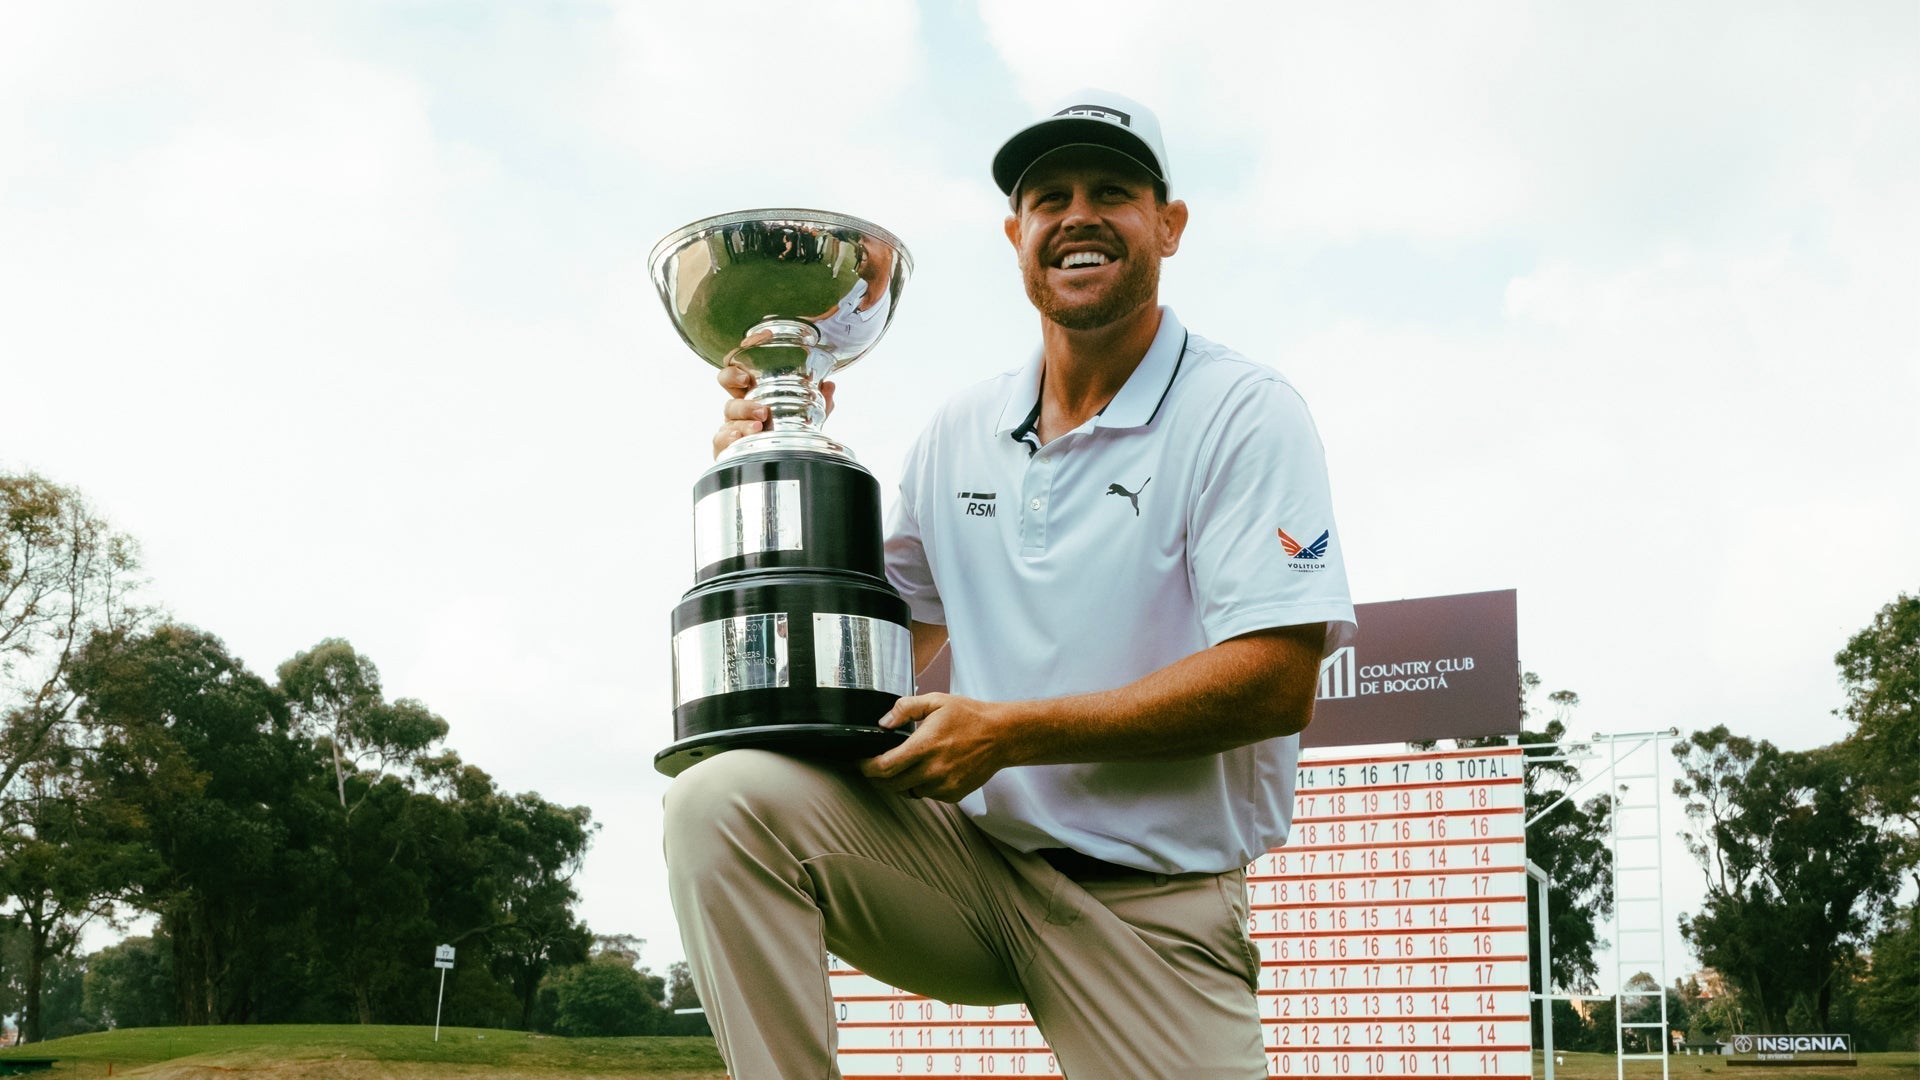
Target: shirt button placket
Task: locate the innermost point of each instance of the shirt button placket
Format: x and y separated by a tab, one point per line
1035	493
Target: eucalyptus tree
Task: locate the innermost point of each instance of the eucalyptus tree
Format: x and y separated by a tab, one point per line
1796	873
64	573
201	749
336	700
1880	669
63	871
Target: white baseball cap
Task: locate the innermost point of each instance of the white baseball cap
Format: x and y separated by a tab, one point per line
1086	117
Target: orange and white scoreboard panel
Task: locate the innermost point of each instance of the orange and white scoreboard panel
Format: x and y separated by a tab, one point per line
1392	932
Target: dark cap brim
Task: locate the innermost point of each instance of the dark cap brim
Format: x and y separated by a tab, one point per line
1019	153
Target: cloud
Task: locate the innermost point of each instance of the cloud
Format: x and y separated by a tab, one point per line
1596	124
791	90
1340	122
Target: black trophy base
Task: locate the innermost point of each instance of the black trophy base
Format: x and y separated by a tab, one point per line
831	742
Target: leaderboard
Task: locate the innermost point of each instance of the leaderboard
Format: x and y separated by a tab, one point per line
1392	932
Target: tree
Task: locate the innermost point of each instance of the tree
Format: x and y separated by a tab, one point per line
1794	870
1711	1012
1636	1010
1602	1036
1568	839
1880	668
201	749
607	996
130	984
462	863
385	869
1889	995
299	874
681	1000
63	869
64	572
1720	1013
65	994
335	696
531	848
1571	1028
680	992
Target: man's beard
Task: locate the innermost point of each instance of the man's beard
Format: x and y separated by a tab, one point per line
1138	284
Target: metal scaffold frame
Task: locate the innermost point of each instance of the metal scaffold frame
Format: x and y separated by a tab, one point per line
1639	910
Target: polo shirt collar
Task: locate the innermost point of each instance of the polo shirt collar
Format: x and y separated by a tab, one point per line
1134	406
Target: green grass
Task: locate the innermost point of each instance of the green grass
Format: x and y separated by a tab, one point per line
300	1052
316	1050
1903	1066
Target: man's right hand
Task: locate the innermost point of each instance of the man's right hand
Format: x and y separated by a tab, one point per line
742	416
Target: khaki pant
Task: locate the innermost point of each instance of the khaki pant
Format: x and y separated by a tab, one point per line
774	861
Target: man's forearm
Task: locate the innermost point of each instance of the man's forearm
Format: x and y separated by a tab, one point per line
1241	691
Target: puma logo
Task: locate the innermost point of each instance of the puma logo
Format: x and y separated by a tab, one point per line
1132	496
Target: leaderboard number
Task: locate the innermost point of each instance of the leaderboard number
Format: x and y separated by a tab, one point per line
1315	1064
1333	1064
982	1064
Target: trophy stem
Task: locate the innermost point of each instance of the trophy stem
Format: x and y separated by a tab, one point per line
794	401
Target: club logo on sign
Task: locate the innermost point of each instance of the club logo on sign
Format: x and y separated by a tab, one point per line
1337	677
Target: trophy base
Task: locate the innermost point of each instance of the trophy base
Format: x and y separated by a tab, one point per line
832	742
791	512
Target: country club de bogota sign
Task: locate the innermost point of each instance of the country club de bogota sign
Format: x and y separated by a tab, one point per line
1423	669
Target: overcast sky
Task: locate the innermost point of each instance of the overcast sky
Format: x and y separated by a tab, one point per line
342	310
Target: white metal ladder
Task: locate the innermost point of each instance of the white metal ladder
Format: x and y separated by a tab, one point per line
1639	899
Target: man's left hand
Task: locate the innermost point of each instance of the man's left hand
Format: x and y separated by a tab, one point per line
956	748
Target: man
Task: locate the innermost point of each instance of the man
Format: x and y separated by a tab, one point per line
1133	651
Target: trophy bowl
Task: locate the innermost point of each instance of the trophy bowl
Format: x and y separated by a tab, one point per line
791	639
791	295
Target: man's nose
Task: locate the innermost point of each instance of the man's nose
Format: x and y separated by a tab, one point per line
1080	210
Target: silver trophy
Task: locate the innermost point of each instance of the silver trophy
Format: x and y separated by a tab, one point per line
790	639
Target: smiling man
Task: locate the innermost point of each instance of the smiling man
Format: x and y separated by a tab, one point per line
1068	829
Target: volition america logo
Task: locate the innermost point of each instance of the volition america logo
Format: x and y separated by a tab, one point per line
1308	558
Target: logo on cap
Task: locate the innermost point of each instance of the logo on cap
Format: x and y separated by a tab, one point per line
1098	112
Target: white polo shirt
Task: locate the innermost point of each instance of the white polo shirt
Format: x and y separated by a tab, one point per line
1192	510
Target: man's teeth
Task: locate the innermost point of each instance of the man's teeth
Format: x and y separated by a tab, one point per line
1083	258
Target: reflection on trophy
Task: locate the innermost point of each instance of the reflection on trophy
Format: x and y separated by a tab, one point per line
790	639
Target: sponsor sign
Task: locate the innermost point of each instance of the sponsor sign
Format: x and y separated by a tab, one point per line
1792	1050
1435	667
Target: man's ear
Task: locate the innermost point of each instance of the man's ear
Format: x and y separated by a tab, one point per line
1013	230
1173	220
